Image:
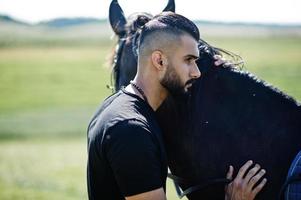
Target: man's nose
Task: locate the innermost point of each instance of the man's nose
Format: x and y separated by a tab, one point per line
195	72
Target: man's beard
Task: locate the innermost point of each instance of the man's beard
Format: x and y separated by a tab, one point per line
172	82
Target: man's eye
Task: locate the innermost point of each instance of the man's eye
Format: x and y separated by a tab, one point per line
189	60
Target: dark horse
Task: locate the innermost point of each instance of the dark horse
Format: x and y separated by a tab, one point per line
229	118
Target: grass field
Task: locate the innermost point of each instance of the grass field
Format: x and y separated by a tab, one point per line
49	93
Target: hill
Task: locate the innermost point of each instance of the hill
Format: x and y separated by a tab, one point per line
8	19
63	22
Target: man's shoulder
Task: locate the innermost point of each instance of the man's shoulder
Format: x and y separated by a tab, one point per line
118	109
130	126
122	107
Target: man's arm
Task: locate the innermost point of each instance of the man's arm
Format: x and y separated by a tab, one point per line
157	194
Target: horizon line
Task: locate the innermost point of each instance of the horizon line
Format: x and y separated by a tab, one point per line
246	22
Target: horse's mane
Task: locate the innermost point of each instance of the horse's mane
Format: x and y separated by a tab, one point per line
269	86
235	66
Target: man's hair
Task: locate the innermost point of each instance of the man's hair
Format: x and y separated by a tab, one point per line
168	27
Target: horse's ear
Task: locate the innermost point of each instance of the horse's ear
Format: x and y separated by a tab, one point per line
171	6
117	18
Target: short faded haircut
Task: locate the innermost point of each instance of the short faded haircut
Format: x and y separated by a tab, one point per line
165	28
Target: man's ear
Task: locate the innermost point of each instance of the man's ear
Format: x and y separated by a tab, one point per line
159	60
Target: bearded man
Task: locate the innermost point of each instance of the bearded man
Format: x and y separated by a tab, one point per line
126	155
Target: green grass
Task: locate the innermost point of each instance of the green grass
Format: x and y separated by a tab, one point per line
43	169
32	78
48	95
46	124
46	170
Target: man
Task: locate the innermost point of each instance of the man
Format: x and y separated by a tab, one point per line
126	157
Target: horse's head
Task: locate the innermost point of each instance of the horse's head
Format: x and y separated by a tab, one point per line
125	56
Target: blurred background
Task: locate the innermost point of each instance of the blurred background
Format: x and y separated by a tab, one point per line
54	71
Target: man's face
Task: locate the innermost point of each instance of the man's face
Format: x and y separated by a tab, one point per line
182	70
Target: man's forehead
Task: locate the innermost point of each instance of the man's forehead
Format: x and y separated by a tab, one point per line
186	38
190	45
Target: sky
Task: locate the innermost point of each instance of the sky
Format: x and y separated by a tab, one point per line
258	11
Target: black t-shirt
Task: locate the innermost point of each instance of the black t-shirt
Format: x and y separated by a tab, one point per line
126	155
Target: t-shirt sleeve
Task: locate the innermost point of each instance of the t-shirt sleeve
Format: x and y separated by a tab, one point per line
134	158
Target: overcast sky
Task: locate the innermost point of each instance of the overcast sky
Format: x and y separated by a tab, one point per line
262	11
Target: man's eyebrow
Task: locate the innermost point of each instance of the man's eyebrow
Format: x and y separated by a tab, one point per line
192	56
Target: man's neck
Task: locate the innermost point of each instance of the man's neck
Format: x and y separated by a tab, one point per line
153	91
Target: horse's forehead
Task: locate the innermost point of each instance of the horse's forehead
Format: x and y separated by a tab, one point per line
134	15
132	19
